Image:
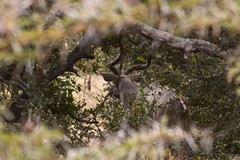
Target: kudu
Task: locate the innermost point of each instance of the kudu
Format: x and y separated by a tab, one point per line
127	90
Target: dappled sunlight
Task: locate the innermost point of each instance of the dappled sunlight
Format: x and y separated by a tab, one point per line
173	69
92	86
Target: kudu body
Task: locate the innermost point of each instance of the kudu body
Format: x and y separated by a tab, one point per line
127	90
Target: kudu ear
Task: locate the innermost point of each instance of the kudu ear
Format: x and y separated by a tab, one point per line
136	78
109	77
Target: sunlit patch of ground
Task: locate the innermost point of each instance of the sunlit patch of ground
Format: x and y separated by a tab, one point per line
92	86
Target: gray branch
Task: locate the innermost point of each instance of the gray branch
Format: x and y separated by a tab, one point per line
187	45
82	51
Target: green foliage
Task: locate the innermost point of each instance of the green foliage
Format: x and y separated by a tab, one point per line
39	36
147	144
37	145
64	112
201	79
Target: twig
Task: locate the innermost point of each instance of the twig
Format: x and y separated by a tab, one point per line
97	110
80	120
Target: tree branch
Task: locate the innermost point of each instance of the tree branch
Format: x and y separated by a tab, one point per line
80	120
188	45
82	51
91	39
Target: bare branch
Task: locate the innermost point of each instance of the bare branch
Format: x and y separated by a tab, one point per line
188	45
80	52
74	70
51	19
80	120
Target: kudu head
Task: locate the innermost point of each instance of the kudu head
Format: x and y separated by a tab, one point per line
125	85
